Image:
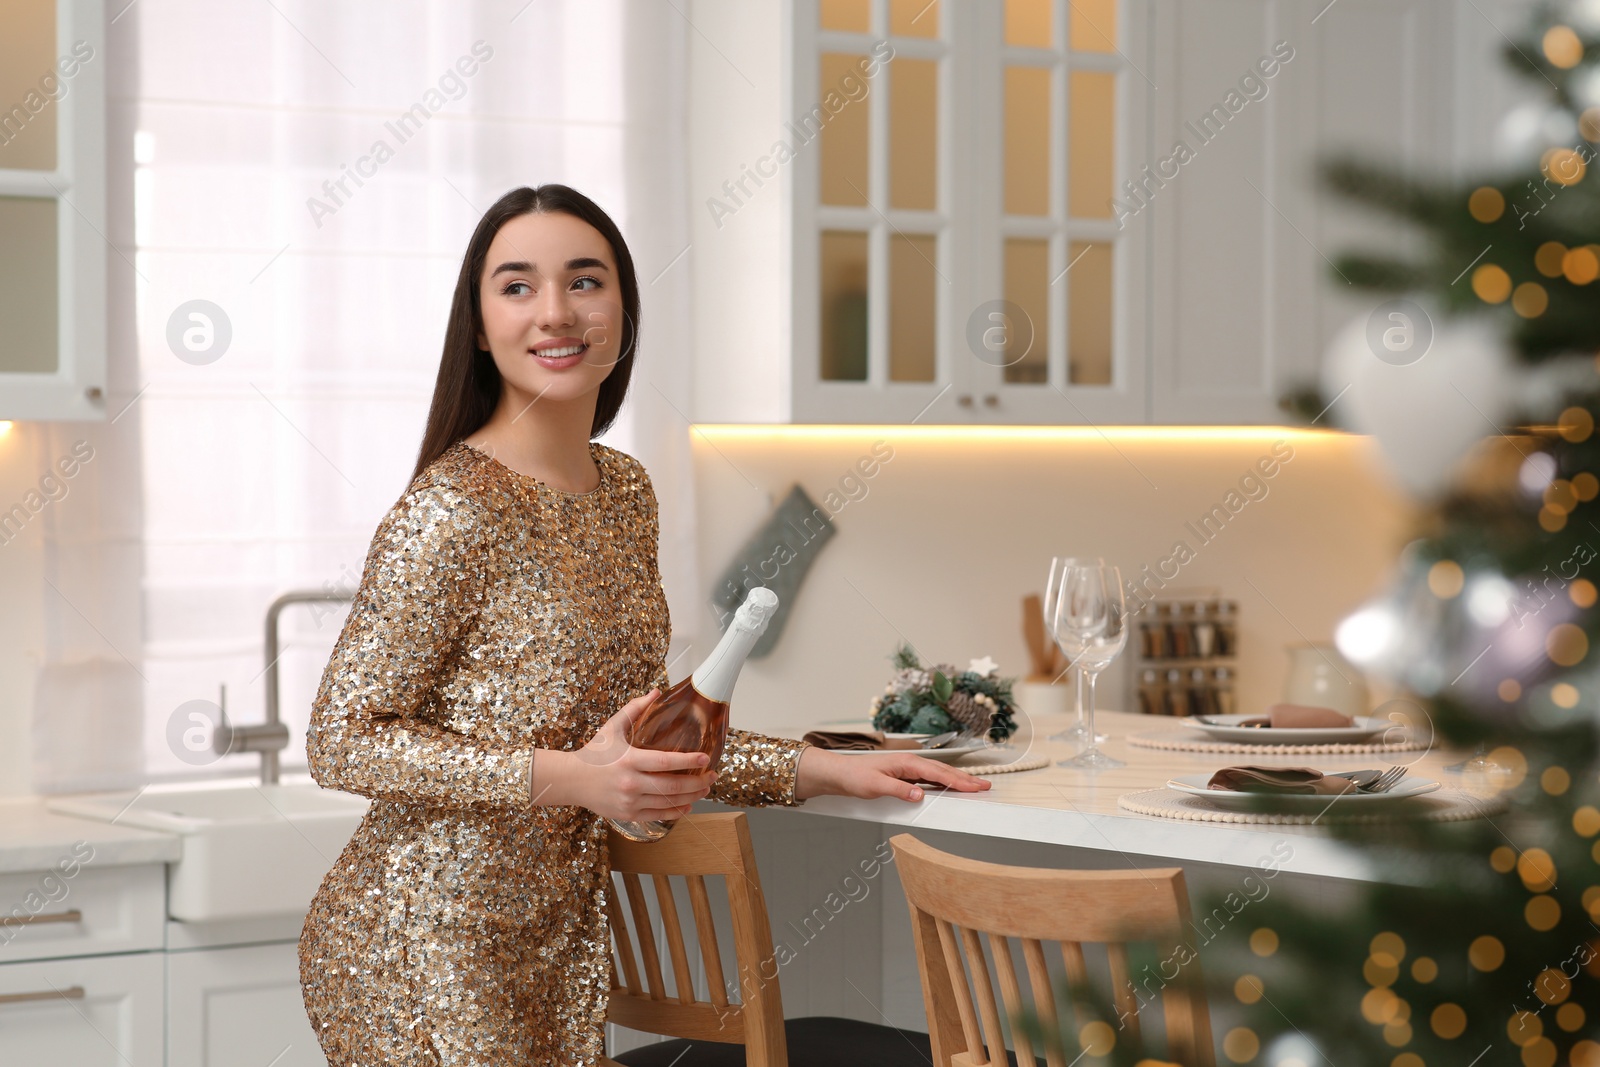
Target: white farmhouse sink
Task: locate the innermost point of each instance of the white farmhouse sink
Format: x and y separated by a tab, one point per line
249	851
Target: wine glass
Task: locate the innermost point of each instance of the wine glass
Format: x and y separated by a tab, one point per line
1076	733
1092	620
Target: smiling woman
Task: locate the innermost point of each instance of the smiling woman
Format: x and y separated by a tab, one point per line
508	631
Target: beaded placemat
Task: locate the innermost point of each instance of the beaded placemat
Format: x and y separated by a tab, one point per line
1169	741
1447	805
1024	763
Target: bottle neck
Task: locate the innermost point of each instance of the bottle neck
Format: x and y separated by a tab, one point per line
715	677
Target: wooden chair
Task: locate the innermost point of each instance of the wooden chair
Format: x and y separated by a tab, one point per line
957	904
718	1031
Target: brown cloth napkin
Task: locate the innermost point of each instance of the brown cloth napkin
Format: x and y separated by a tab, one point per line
1300	717
859	740
1279	780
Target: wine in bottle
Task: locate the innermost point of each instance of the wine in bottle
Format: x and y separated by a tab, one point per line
692	716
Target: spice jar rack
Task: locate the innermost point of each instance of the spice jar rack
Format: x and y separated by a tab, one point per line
1186	659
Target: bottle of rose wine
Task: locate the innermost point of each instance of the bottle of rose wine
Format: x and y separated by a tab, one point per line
692	716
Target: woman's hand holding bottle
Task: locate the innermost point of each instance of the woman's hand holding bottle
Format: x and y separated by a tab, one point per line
612	778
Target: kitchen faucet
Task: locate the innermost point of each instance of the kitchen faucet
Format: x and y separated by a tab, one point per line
272	736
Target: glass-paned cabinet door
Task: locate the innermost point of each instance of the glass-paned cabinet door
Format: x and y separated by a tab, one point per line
877	279
52	210
957	255
1064	100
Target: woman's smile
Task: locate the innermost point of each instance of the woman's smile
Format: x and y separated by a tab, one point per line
559	352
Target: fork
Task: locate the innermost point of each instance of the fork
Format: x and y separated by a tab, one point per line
1374	781
1385	781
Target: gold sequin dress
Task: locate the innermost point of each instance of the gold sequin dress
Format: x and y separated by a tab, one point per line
495	615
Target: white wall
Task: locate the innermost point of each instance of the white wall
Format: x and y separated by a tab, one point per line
959	525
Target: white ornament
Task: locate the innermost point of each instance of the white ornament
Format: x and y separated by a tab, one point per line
1424	414
1586	87
983	667
1527	131
1584	16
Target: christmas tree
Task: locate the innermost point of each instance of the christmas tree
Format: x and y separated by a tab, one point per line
1480	943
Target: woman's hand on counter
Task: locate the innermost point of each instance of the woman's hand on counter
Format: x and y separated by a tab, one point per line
612	778
867	776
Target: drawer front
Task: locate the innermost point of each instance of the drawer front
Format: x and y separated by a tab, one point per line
238	1007
78	910
101	1011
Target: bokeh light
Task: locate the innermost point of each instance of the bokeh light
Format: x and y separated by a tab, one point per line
1537	870
1486	953
1486	204
1547	259
1446	579
1449	1021
1562	47
1566	644
1542	913
1097	1038
1530	299
1491	283
1241	1044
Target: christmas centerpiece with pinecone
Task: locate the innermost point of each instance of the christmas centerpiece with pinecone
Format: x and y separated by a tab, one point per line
936	699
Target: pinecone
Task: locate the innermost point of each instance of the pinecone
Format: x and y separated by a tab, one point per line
972	717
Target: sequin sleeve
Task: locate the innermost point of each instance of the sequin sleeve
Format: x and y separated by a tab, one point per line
426	575
756	770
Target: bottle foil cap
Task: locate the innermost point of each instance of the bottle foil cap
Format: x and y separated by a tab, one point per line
757	610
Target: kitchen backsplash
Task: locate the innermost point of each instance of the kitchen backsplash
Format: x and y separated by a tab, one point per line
940	532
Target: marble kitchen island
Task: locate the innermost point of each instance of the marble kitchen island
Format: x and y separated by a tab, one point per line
1075	809
844	938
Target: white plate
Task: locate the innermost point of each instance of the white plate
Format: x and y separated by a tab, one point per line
1226	728
1195	785
948	754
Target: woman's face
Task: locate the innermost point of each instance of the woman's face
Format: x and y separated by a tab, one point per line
552	308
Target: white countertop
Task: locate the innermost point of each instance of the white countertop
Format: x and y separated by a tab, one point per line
33	838
1063	806
1053	805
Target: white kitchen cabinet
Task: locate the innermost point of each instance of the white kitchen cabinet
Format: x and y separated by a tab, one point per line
1218	299
53	243
92	1011
1244	296
899	225
238	1007
78	909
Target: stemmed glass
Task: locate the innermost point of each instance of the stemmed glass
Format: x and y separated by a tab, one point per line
1076	733
1092	625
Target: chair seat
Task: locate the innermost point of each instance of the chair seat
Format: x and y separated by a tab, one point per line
815	1041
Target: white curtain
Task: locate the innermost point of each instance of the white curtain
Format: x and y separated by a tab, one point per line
226	482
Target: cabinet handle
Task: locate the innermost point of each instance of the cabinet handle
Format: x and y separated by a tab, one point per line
71	916
990	400
965	400
70	993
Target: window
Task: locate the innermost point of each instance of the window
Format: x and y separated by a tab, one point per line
968	157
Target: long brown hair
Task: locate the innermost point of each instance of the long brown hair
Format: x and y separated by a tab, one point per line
469	384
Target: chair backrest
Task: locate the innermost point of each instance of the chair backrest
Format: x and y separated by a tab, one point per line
700	846
958	905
